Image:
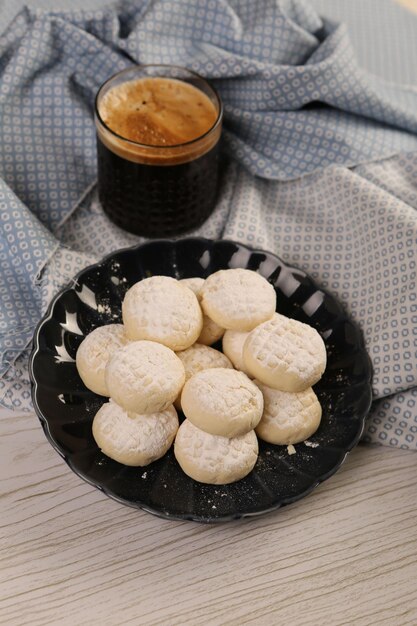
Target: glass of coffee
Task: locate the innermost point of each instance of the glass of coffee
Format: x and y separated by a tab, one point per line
158	131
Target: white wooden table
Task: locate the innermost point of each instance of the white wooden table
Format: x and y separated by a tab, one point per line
346	554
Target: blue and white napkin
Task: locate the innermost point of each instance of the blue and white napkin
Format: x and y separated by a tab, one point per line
323	166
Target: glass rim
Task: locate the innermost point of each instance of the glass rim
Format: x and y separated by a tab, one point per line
153	146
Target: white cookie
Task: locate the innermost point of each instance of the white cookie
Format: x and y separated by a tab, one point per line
285	354
222	402
211	331
288	417
238	299
197	358
94	352
144	377
214	459
131	438
161	309
195	284
232	343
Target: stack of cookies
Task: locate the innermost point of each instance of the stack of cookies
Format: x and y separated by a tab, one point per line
160	360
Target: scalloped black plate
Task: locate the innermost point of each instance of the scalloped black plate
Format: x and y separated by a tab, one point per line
66	408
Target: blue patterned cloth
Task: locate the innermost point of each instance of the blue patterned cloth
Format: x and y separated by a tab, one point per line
296	104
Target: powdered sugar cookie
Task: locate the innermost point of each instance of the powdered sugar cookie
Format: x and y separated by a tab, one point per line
131	438
233	341
222	401
285	354
161	309
94	353
288	417
214	459
144	377
211	332
199	357
238	299
194	284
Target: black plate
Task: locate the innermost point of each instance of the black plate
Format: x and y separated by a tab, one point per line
66	408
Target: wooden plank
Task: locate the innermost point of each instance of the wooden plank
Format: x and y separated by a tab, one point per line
69	555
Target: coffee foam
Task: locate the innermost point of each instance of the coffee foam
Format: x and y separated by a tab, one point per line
157	116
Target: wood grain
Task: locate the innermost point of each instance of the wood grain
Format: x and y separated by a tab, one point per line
344	555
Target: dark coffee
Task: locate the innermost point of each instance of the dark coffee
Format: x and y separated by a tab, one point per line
158	151
157	200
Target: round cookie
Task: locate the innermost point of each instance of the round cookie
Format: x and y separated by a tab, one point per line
232	344
132	438
144	377
222	401
197	358
195	283
161	309
211	332
214	459
238	299
288	418
94	352
285	354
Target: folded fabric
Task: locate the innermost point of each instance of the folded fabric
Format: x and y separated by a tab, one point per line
295	103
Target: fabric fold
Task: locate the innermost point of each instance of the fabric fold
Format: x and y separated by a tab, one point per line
25	247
